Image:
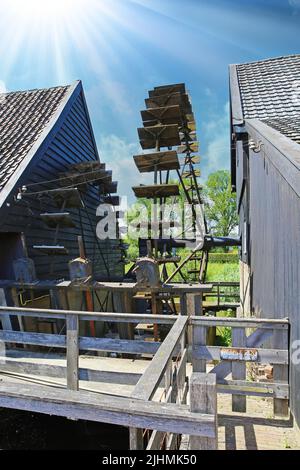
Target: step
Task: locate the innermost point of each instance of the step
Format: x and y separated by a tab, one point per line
190	136
164	136
161	161
193	147
194	160
70	197
61	219
156	190
194	271
108	188
82	178
112	200
163	115
168	89
189	174
87	166
170	99
51	250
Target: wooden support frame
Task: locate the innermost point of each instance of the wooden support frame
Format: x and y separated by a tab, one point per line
245	349
203	398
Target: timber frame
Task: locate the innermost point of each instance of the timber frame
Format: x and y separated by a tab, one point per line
156	413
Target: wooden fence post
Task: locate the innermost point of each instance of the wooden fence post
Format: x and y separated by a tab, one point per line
239	402
136	439
281	372
72	352
203	399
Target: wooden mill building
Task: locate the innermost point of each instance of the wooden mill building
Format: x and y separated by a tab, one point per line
51	183
265	120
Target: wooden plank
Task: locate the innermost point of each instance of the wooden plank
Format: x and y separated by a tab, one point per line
150	380
281	373
156	190
264	356
136	439
199	340
5	318
162	161
101	316
203	398
174	288
49	370
238	369
264	323
72	352
121	411
182	376
237	112
247	388
165	136
85	343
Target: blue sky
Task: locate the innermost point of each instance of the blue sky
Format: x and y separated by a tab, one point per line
122	48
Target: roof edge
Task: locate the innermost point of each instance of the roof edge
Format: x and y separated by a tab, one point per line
237	117
4	194
283	152
266	60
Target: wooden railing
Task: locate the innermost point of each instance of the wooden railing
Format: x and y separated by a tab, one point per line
153	421
223	294
245	349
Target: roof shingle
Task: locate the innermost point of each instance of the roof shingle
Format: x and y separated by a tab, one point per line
23	117
270	91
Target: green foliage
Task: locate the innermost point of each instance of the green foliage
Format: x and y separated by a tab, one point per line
223	272
220	204
224	258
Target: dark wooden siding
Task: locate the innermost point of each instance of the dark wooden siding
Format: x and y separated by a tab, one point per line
275	252
73	143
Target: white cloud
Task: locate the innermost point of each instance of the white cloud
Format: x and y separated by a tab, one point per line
294	3
118	156
216	133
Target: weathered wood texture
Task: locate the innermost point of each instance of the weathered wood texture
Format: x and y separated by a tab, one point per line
274	236
71	143
203	398
107	409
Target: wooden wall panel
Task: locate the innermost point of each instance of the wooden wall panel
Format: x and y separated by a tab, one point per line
73	143
275	252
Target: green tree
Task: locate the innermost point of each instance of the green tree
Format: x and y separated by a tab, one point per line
220	204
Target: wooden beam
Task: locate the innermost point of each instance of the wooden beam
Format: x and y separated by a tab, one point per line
241	322
121	411
238	369
264	356
85	343
72	352
101	316
149	382
203	398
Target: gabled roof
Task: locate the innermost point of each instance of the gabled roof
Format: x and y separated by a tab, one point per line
26	118
268	90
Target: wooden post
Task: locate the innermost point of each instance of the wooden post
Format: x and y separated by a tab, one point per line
281	372
239	369
183	304
136	439
199	337
72	352
203	399
194	308
5	319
